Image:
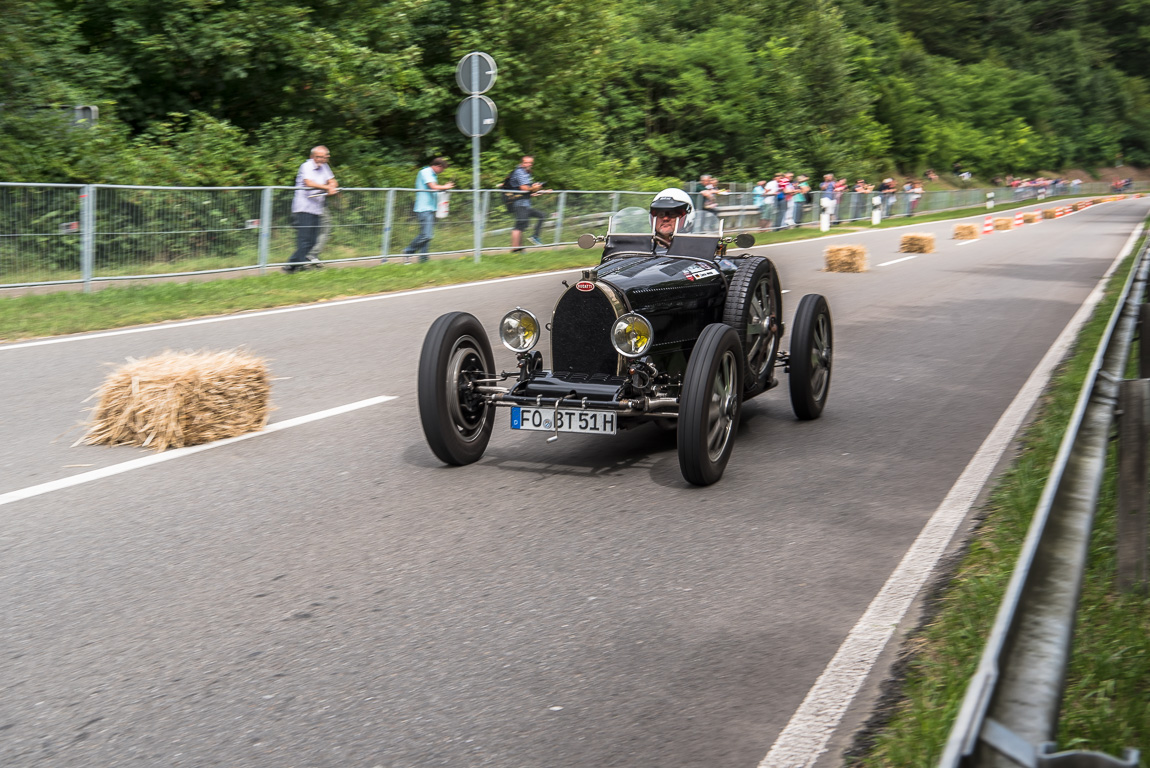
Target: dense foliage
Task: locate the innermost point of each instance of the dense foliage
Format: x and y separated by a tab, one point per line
606	94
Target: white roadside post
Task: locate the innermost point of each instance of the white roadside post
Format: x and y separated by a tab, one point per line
876	210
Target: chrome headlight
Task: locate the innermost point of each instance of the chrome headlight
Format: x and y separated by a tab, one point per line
519	330
631	335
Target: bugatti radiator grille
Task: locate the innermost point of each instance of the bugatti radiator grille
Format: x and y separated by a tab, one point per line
581	333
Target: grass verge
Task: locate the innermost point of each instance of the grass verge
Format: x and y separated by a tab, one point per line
62	312
1107	701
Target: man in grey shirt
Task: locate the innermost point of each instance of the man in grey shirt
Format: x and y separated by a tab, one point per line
313	184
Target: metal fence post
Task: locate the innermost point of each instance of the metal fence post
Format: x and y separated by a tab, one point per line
385	245
484	208
614	204
559	214
1133	486
87	235
265	236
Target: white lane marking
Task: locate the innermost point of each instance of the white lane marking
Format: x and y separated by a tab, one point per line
177	453
966	242
896	261
805	737
267	312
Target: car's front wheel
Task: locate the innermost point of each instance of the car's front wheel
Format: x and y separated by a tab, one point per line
457	420
812	348
753	308
709	405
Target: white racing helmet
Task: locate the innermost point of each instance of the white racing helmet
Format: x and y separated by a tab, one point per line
677	201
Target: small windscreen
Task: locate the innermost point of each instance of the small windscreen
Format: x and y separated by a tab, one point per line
631	220
616	244
694	246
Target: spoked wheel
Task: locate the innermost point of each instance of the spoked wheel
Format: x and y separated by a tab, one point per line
709	406
812	346
754	306
457	420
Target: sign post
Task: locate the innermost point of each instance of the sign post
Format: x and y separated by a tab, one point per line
476	117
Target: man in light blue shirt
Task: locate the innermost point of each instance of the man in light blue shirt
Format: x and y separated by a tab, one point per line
427	184
314	182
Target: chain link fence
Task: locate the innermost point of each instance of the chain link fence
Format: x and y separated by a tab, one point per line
59	234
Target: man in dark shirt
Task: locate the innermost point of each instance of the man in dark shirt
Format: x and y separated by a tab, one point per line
521	207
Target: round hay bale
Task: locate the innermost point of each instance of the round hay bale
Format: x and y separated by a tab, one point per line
965	232
919	242
1049	213
181	398
846	258
1003	223
1029	217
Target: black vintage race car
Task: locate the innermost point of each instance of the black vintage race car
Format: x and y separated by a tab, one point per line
680	338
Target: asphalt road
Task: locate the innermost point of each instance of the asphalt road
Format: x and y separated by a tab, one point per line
330	595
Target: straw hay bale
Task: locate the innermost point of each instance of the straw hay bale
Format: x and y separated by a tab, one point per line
181	398
1004	222
917	242
966	231
1029	217
1049	213
846	258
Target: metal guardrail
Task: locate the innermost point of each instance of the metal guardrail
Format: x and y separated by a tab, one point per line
1010	712
61	234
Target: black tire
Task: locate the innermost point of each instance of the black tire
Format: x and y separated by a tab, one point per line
753	308
710	404
457	421
812	348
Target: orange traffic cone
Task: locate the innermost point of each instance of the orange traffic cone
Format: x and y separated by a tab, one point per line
1018	220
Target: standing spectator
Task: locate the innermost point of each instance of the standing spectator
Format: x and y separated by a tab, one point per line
314	183
916	192
709	192
758	195
427	184
827	199
801	197
782	197
840	191
889	193
861	191
767	211
521	207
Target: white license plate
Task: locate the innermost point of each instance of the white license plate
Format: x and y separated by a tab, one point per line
543	420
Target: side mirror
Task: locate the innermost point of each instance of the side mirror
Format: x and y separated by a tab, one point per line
745	240
587	241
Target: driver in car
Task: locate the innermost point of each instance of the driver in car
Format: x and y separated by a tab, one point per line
671	213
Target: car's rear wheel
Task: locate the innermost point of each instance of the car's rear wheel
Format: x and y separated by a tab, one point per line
753	308
457	420
812	348
709	405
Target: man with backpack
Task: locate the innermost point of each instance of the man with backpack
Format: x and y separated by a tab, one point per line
520	188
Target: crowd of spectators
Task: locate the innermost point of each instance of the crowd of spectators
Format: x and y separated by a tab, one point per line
785	200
